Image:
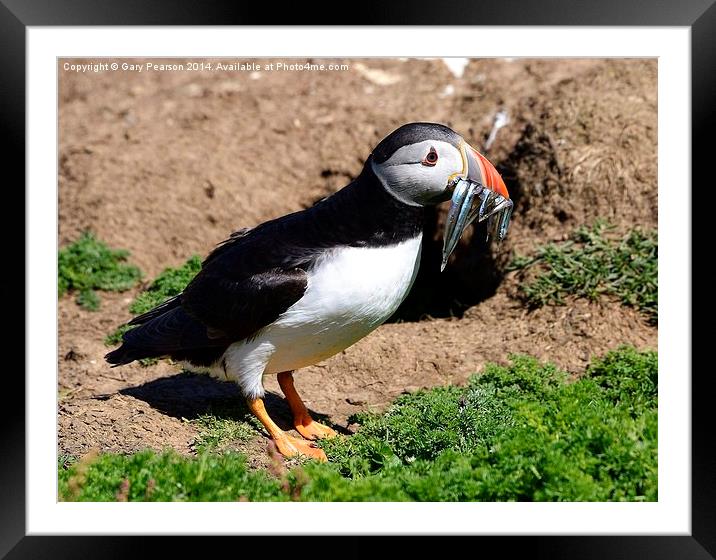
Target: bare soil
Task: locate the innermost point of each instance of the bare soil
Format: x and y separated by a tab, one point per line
167	164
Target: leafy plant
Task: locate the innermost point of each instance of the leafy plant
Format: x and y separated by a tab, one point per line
88	265
170	282
592	264
515	432
222	424
168	476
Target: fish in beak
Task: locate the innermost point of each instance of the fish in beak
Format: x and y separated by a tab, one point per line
478	192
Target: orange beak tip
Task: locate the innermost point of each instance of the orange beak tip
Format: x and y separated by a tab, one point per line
492	177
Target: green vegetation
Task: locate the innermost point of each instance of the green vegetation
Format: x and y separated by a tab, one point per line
168	284
147	476
592	264
515	433
88	265
215	432
521	432
225	424
115	337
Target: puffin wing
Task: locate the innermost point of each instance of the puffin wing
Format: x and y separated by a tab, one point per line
249	280
213	312
236	309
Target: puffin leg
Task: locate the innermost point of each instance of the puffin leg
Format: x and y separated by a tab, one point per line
287	445
302	421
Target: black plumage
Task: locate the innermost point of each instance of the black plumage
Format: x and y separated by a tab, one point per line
255	275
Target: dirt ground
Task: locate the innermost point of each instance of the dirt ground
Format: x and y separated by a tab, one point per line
167	164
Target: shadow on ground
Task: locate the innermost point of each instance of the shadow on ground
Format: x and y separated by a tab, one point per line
188	395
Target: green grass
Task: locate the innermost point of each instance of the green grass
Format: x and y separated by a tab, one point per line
515	433
592	264
216	432
223	425
520	432
148	476
170	282
88	265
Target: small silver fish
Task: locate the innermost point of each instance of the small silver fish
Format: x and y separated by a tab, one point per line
470	201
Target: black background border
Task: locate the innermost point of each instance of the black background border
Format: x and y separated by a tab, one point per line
16	15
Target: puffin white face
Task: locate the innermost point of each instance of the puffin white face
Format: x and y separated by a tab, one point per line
424	164
420	174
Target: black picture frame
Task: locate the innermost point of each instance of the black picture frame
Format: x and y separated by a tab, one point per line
17	15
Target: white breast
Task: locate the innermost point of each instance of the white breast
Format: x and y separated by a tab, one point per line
351	291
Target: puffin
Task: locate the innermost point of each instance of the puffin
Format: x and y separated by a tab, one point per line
295	290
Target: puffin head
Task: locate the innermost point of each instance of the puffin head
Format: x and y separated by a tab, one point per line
424	164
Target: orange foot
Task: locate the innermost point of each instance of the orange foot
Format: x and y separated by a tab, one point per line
310	429
290	446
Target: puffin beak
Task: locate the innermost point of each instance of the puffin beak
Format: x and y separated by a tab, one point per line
478	192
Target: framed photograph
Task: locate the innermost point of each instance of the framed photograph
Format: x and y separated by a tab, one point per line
154	135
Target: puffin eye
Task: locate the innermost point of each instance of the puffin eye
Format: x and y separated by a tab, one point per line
431	159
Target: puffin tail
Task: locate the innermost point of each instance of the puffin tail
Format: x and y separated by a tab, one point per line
145	340
170	333
123	355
